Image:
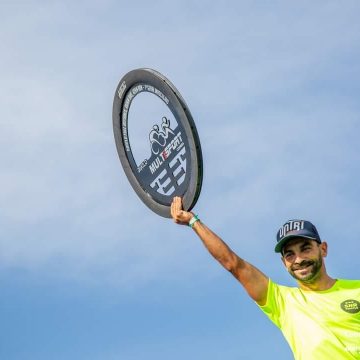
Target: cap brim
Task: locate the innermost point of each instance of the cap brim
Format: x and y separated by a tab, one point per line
283	241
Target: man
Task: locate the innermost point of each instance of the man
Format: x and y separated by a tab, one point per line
320	318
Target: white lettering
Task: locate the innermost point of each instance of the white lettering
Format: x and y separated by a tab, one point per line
180	171
155	165
161	187
175	144
162	96
291	226
142	166
121	90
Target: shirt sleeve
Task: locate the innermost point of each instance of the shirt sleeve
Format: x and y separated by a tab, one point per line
274	307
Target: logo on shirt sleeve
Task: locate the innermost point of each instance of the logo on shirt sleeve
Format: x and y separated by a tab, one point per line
351	306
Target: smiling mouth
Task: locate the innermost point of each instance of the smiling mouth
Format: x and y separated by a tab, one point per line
303	267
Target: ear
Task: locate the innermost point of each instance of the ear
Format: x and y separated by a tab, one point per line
283	260
324	248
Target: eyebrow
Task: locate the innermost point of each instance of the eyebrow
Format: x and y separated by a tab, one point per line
302	245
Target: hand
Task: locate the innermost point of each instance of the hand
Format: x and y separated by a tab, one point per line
178	214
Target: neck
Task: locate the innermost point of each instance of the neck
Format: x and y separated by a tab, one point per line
324	282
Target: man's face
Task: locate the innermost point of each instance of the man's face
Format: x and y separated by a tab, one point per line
303	259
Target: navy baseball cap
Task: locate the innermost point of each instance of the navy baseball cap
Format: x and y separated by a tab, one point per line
295	229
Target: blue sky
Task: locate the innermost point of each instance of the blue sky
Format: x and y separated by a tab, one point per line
86	270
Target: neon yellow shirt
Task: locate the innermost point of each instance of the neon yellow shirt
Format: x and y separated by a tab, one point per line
318	325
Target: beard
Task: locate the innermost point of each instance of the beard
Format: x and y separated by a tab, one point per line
307	271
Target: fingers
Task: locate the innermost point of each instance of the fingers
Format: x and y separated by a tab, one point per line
178	214
176	209
178	203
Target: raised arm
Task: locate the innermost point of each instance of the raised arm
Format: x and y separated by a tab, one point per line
252	279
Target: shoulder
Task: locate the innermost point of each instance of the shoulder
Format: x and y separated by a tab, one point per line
348	284
282	287
278	290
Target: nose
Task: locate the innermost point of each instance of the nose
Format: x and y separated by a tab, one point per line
298	259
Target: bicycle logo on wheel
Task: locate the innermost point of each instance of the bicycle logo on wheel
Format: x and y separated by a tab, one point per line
159	137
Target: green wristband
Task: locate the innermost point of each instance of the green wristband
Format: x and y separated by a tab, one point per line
193	220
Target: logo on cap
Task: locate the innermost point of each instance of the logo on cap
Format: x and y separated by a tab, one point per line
292	225
296	228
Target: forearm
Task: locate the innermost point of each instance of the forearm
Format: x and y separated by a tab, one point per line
217	247
253	280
